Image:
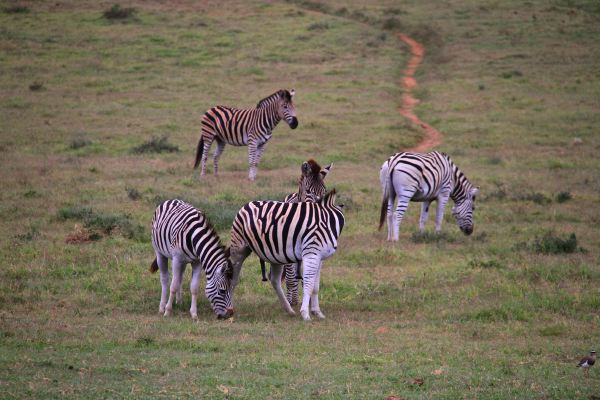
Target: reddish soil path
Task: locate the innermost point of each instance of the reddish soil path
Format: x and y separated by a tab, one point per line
432	136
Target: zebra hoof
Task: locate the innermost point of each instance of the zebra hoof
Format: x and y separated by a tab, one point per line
168	313
318	314
305	315
195	318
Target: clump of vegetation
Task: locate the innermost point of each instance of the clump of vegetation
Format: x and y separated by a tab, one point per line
313	5
489	264
318	26
156	145
536	197
31	194
78	142
392	24
133	193
562	197
36	86
550	243
118	12
431	237
102	223
31	234
510	74
16	9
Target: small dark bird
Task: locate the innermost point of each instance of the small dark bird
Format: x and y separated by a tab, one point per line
587	361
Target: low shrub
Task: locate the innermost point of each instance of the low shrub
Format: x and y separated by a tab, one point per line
553	244
117	12
156	145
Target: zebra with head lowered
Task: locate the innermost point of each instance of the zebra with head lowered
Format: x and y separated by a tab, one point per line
285	233
311	187
182	233
244	127
425	177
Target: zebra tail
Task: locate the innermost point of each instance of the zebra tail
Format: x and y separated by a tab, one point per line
199	151
384	201
263	270
154	266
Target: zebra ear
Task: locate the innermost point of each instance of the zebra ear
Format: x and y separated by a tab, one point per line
305	168
292	92
325	171
474	191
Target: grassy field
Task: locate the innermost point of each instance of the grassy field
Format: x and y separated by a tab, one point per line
505	313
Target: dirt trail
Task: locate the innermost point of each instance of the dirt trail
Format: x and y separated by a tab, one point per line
432	136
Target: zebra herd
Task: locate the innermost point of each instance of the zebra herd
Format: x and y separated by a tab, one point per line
302	230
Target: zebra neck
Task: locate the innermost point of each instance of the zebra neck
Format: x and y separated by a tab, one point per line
269	116
461	185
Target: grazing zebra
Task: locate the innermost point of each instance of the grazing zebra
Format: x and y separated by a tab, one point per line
182	233
284	233
311	187
244	127
425	177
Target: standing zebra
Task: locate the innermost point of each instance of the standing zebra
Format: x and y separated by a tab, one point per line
182	233
425	177
244	127
284	233
311	187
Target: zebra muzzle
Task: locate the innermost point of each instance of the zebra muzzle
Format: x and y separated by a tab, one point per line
228	314
294	123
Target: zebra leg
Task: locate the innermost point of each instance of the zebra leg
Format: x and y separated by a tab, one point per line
424	215
310	271
276	270
291	283
403	199
196	275
179	297
237	257
175	284
218	152
442	199
207	144
314	298
390	219
163	265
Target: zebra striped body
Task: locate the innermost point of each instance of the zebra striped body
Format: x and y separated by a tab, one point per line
244	127
182	233
311	187
286	233
425	177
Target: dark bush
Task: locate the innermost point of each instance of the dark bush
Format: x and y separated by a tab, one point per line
36	86
156	145
392	24
133	193
552	244
117	12
79	142
16	9
318	26
563	197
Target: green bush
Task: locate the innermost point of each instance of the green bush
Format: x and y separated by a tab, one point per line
552	244
156	145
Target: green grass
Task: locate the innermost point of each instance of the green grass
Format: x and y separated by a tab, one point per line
504	313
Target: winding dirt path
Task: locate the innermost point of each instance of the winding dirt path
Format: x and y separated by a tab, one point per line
433	137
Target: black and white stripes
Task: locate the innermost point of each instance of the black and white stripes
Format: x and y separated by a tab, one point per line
425	177
244	127
182	233
285	233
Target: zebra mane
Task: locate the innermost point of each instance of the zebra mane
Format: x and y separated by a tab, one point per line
315	168
212	229
280	93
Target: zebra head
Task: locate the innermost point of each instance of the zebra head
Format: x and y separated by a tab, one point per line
286	109
219	289
311	186
463	210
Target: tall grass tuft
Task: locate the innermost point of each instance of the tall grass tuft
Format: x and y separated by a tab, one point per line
117	12
104	223
156	145
550	243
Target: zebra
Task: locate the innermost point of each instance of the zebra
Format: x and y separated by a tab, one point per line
425	177
311	187
284	233
244	127
183	233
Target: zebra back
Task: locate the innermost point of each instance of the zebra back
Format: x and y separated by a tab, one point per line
280	232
